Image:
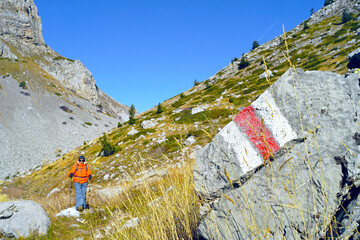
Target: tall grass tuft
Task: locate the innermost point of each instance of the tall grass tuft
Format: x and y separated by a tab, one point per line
166	207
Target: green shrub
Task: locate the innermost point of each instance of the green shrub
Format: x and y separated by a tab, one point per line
306	26
107	147
119	125
234	59
88	123
255	45
23	85
346	17
187	118
243	63
196	83
63	58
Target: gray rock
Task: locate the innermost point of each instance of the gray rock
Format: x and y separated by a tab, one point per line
5	51
313	178
69	212
133	131
199	109
23	218
266	74
106	177
134	222
55	190
190	141
148	124
350	55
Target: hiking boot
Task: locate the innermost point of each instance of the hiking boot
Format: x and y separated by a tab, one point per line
80	209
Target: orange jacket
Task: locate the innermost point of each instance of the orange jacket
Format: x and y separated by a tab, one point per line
81	174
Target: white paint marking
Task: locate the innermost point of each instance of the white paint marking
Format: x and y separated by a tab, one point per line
277	124
249	157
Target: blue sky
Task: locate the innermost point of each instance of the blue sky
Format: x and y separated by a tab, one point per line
143	52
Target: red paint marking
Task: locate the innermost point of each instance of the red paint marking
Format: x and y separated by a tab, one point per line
258	134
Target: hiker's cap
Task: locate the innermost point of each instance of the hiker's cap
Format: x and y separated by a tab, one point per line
81	158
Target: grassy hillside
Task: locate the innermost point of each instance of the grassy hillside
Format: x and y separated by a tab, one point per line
323	46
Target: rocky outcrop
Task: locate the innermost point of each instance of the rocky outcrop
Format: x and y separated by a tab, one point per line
74	75
20	20
23	219
335	8
288	165
5	52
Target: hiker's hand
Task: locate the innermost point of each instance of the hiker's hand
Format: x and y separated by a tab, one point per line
90	177
71	175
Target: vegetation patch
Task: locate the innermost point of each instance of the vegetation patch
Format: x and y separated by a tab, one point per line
187	118
63	58
23	85
313	62
66	109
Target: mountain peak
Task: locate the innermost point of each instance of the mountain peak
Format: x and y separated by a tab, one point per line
20	21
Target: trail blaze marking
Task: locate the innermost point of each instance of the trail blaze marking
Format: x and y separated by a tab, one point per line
258	134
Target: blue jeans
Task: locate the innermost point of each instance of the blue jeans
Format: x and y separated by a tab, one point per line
80	194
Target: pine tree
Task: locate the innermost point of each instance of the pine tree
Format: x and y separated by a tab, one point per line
159	109
132	115
312	11
255	45
196	83
327	2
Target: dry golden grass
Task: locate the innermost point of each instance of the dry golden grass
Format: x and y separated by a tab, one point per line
167	208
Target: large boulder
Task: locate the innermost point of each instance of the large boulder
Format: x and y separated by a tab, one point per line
23	219
287	167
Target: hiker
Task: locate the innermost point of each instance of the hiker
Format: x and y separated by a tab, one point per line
81	173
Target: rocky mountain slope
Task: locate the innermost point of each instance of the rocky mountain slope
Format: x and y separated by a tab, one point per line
190	120
49	104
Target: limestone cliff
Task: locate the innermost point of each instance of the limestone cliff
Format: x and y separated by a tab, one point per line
21	29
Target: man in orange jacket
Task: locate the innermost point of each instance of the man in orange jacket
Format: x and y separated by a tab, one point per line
81	173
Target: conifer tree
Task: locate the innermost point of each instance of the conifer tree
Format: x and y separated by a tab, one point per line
132	115
327	2
255	45
159	109
312	11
